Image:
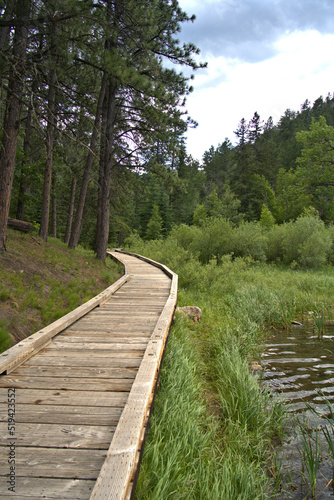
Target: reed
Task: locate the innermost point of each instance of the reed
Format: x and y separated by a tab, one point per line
318	320
311	457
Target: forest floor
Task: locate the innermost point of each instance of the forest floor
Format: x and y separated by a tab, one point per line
41	281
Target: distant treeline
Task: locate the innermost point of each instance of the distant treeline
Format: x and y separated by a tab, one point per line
92	130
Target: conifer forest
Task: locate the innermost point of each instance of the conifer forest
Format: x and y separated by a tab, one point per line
93	120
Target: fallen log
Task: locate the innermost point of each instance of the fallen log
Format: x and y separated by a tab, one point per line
20	225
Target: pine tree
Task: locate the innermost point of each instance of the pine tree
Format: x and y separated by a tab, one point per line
12	115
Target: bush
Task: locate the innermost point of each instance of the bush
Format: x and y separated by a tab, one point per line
213	240
249	241
307	242
275	238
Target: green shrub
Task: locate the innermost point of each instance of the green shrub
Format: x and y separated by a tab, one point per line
307	242
213	240
249	241
275	239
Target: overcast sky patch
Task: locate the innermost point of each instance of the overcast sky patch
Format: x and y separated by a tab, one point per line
248	29
263	55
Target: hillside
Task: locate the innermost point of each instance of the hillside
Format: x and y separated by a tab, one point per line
40	282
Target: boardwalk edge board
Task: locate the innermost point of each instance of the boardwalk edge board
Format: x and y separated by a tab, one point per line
16	355
121	463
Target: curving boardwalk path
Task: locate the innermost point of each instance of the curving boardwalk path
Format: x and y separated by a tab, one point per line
75	397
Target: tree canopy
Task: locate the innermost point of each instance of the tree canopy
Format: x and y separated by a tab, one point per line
93	118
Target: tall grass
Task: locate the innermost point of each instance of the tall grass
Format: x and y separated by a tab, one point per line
207	391
189	452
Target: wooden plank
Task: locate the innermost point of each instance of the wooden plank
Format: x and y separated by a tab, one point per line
29	488
138	313
61	435
111	328
65	398
74	384
102	339
151	302
75	372
96	346
95	354
54	359
79	415
55	462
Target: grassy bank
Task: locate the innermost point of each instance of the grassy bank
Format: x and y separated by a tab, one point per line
40	282
213	433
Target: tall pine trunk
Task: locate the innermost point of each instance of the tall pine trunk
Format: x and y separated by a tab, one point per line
106	160
70	212
75	235
51	122
54	207
24	179
12	117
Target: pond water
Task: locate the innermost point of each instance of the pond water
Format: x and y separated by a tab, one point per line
300	368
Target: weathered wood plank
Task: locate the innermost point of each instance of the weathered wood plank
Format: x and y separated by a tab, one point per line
57	358
60	435
95	354
64	398
75	372
57	463
104	337
58	489
65	383
95	346
80	415
111	328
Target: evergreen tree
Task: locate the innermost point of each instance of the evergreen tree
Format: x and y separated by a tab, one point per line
12	114
154	226
315	171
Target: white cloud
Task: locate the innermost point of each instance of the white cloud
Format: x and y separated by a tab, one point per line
230	89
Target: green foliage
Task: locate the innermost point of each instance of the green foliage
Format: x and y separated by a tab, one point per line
307	242
213	241
315	165
275	239
200	215
154	225
238	298
219	449
267	219
249	241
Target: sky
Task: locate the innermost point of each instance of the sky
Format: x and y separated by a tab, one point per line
263	56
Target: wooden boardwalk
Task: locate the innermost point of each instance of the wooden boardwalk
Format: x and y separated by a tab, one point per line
75	397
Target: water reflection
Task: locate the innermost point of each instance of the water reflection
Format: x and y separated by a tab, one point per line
300	367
